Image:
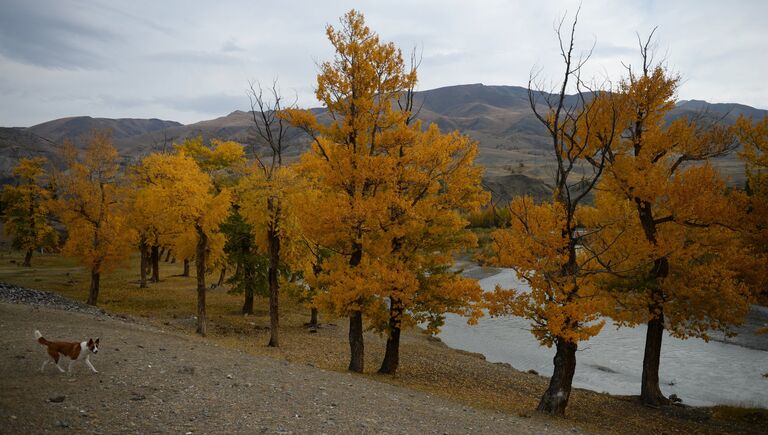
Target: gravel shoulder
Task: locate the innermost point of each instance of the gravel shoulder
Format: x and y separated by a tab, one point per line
155	381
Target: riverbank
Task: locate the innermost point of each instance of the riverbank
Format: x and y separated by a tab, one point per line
427	366
697	372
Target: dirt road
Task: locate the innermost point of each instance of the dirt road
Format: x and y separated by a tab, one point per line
152	381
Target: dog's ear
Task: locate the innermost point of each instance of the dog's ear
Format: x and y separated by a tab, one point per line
90	342
97	340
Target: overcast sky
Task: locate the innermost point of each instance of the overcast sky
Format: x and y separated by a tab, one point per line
191	60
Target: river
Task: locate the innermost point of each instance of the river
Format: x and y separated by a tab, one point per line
698	372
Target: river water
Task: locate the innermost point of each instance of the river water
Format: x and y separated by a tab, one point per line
698	372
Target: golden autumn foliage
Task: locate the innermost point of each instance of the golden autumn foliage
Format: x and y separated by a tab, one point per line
661	198
182	196
385	194
26	210
545	243
255	191
667	220
91	204
753	135
187	202
561	305
219	156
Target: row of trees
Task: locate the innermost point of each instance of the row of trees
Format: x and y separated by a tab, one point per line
640	229
366	223
663	242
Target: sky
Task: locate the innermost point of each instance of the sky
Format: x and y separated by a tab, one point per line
188	61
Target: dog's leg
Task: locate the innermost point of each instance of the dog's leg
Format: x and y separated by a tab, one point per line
88	363
45	363
56	358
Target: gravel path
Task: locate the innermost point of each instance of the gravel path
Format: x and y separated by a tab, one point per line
152	381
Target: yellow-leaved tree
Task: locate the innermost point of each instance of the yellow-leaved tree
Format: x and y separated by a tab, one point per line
753	135
544	242
386	196
434	179
223	161
90	202
26	209
191	202
149	218
349	165
668	220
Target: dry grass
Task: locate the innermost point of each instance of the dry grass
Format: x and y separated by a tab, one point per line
426	364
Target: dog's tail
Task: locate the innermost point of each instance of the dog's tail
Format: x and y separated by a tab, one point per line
39	338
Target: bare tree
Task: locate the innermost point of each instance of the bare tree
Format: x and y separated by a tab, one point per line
270	130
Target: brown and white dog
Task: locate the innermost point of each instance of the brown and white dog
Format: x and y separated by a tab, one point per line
74	351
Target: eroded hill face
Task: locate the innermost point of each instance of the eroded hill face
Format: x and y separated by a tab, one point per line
514	146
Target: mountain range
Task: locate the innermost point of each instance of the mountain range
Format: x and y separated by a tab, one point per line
514	146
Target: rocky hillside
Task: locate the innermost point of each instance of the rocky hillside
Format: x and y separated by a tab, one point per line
513	145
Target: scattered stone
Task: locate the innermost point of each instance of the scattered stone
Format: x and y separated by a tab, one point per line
62	423
229	376
503	364
20	295
533	372
57	399
137	397
674	399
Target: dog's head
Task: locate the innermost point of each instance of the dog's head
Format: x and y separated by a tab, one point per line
93	346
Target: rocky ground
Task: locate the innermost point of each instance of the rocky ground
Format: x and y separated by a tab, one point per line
154	381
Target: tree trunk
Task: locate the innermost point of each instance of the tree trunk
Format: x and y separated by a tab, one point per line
28	258
392	354
356	345
143	267
186	267
168	256
148	266
93	294
248	281
202	246
650	393
555	399
222	276
313	319
273	240
155	257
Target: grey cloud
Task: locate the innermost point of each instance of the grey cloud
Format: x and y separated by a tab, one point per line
194	57
213	104
50	38
230	46
206	104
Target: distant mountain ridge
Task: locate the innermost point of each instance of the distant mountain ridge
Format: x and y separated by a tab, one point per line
514	146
